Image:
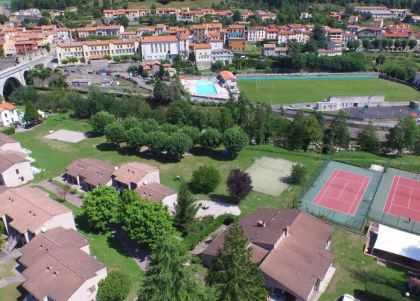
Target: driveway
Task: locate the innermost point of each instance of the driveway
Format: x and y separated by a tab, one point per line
216	208
72	198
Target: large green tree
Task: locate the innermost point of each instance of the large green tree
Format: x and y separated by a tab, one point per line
403	135
235	140
210	138
340	130
368	139
177	144
146	221
31	112
233	274
115	133
100	120
168	277
101	207
185	209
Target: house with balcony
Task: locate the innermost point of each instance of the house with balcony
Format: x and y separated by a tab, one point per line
15	169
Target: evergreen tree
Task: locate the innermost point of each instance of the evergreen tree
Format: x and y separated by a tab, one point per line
233	274
340	130
185	209
169	278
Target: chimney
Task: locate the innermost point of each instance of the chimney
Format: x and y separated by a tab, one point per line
286	231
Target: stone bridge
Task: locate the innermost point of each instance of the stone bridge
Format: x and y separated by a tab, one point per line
15	76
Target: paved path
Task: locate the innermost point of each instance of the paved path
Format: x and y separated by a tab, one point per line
72	198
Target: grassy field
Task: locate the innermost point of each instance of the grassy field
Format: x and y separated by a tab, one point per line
311	90
354	269
53	156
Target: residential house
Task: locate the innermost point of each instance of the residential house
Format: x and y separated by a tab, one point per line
200	32
134	174
9	144
271	33
256	34
290	247
157	192
89	173
245	14
330	52
305	15
131	13
57	266
236	44
110	30
202	53
27	211
273	50
8	114
378	23
353	19
335	15
369	33
223	55
164	47
236	31
91	50
264	15
15	169
166	11
334	33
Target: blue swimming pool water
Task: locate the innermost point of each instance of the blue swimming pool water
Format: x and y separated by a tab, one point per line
204	88
304	76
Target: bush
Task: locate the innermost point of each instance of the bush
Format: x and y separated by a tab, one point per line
9	130
239	184
115	287
298	174
204	227
205	179
382	292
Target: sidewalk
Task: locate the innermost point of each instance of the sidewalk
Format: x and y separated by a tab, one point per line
72	198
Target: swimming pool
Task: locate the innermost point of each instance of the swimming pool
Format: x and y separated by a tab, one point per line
205	88
303	76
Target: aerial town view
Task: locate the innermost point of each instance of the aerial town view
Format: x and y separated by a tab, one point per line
220	150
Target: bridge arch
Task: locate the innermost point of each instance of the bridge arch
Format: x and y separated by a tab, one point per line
10	85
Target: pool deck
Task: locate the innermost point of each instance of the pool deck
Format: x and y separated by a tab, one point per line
190	86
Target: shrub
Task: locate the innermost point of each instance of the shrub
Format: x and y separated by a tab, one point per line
298	174
204	227
205	179
239	184
9	130
115	287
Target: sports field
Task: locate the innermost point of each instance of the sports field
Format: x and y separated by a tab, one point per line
311	90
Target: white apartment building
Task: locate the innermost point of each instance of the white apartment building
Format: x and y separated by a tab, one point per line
202	53
256	34
223	55
86	51
8	114
130	13
164	47
111	30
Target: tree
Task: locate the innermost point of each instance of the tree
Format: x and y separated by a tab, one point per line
295	135
412	43
136	138
100	120
313	132
310	47
31	112
115	133
210	138
43	21
157	141
185	209
235	140
340	130
239	184
3	19
178	143
101	207
146	221
297	174
130	123
179	112
122	20
318	34
168	277
205	179
162	92
403	135
115	287
366	44
368	140
233	274
352	45
236	16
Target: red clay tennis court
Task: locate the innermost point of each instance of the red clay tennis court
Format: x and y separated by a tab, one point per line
404	198
343	191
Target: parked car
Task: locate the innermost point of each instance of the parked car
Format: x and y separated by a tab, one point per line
38	121
30	124
347	297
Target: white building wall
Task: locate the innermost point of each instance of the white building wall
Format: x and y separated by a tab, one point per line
65	220
84	293
7	118
159	50
170	202
15	146
151	177
16	175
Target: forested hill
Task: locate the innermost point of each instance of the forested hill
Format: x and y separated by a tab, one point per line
292	5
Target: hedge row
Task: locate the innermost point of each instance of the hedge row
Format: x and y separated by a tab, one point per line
206	227
382	292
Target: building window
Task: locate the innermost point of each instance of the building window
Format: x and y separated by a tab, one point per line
17	171
22	179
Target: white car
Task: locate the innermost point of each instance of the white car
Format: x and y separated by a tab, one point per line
347	297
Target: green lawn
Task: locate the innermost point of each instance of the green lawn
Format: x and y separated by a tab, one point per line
311	90
354	268
53	156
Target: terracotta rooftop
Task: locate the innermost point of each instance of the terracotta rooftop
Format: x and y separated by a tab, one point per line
9	159
158	39
95	172
154	191
4	139
29	208
132	172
